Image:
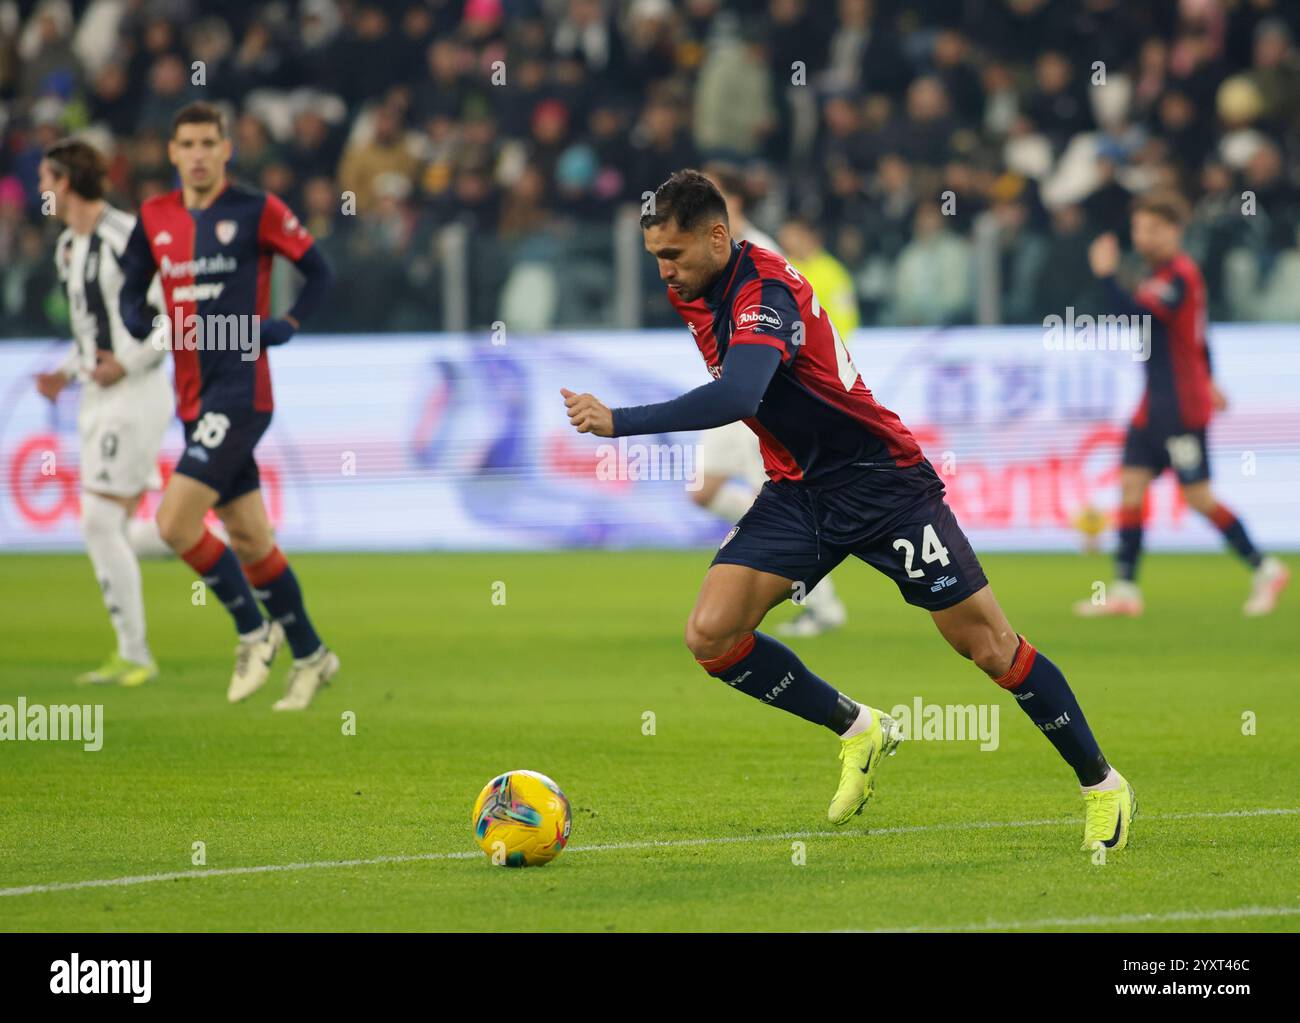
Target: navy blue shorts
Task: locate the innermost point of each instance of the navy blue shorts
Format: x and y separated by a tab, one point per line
219	451
895	520
1146	447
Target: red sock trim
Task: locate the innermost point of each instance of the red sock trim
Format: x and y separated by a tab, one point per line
731	658
268	569
1129	518
1222	517
1021	665
204	554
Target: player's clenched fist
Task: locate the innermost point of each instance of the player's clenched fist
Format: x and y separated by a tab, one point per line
48	385
1103	255
588	414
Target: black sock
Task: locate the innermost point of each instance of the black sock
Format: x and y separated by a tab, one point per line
220	569
1043	694
1130	544
277	588
1235	533
770	671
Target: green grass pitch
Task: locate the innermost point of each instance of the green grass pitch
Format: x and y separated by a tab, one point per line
692	827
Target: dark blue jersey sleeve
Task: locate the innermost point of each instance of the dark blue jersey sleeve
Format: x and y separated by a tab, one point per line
318	276
138	268
1120	301
736	394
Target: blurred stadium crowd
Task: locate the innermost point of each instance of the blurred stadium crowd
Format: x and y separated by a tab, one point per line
1041	119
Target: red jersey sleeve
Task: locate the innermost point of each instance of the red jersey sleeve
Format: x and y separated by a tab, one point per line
766	313
279	230
1162	295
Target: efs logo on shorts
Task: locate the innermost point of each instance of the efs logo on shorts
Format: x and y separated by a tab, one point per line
727	539
758	317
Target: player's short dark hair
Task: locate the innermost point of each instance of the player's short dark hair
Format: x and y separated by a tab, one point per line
199	112
82	164
688	198
1168	206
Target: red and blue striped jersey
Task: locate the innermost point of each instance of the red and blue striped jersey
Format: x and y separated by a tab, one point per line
1178	395
215	263
817	422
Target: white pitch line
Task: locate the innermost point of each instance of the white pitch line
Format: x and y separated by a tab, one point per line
672	843
1181	915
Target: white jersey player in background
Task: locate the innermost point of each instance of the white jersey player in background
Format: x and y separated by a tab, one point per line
126	401
731	465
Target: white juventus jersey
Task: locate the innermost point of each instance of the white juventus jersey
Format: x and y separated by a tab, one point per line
89	268
757	236
121	426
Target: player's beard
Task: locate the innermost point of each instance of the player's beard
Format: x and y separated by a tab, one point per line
704	287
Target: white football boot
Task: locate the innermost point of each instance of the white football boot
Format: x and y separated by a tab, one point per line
1269	581
307	676
253	659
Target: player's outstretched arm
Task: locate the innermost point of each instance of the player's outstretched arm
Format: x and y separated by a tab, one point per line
746	372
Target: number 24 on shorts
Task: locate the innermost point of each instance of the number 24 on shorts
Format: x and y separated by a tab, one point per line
931	551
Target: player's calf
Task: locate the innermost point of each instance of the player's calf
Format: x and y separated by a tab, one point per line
978	630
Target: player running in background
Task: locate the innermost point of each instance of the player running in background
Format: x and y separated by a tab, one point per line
126	401
212	243
847	478
1168	430
826	275
731	465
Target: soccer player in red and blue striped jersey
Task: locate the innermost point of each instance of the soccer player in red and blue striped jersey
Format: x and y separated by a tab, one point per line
845	477
1168	430
211	243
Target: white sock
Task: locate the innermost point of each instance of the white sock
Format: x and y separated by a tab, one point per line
103	524
257	635
860	723
313	656
144	538
1111	781
731	501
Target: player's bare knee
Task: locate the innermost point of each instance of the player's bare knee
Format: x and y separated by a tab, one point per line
177	531
994	650
991	649
249	546
709	634
1200	499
